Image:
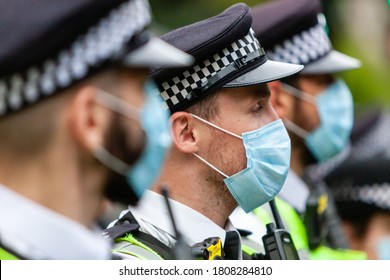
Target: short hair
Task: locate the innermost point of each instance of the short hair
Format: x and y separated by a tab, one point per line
292	81
29	132
358	214
207	107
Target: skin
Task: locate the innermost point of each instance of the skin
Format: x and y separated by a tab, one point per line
302	113
377	229
197	185
65	171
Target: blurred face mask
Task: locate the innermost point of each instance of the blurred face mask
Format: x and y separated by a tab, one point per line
335	109
140	175
383	248
268	152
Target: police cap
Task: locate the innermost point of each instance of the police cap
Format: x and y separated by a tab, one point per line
48	45
294	31
227	54
362	183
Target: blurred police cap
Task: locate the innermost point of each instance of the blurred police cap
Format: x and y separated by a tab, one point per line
294	31
48	45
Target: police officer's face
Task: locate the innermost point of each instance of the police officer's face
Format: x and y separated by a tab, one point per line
240	110
125	138
305	114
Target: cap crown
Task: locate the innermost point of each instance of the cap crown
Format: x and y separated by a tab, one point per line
224	47
290	30
48	45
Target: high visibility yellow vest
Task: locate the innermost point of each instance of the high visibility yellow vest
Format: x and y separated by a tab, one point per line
297	230
129	245
5	255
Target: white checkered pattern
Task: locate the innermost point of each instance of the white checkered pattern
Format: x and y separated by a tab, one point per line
377	195
177	89
375	143
303	48
100	43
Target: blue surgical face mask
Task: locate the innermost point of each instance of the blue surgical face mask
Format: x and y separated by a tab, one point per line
268	152
335	109
154	120
383	248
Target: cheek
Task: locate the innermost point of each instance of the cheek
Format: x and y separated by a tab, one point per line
228	153
267	116
235	157
305	115
135	137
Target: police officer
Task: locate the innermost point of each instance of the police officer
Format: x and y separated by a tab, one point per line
229	146
315	105
361	191
73	120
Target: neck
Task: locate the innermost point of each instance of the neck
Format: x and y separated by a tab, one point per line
194	189
54	182
297	163
300	155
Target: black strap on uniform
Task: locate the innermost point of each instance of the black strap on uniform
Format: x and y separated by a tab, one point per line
160	248
12	252
232	245
128	224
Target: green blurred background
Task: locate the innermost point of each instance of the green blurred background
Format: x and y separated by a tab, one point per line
357	27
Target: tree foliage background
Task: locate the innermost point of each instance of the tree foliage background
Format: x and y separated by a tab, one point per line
357	27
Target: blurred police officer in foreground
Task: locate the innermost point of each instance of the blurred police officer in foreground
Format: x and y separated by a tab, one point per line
361	190
229	146
316	107
73	120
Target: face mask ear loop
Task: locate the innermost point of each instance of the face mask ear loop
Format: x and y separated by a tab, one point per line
299	94
203	160
118	105
217	127
112	162
295	129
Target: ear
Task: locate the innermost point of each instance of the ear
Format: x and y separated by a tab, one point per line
280	100
184	134
87	119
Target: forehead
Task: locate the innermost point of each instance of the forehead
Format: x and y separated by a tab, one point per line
319	79
314	84
132	83
241	96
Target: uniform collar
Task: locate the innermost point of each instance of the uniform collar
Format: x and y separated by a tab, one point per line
36	232
295	191
193	226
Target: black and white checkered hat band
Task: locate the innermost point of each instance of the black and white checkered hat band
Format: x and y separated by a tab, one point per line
303	48
377	195
182	86
100	43
375	143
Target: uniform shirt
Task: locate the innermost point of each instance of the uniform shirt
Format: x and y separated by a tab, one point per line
35	232
295	192
153	216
